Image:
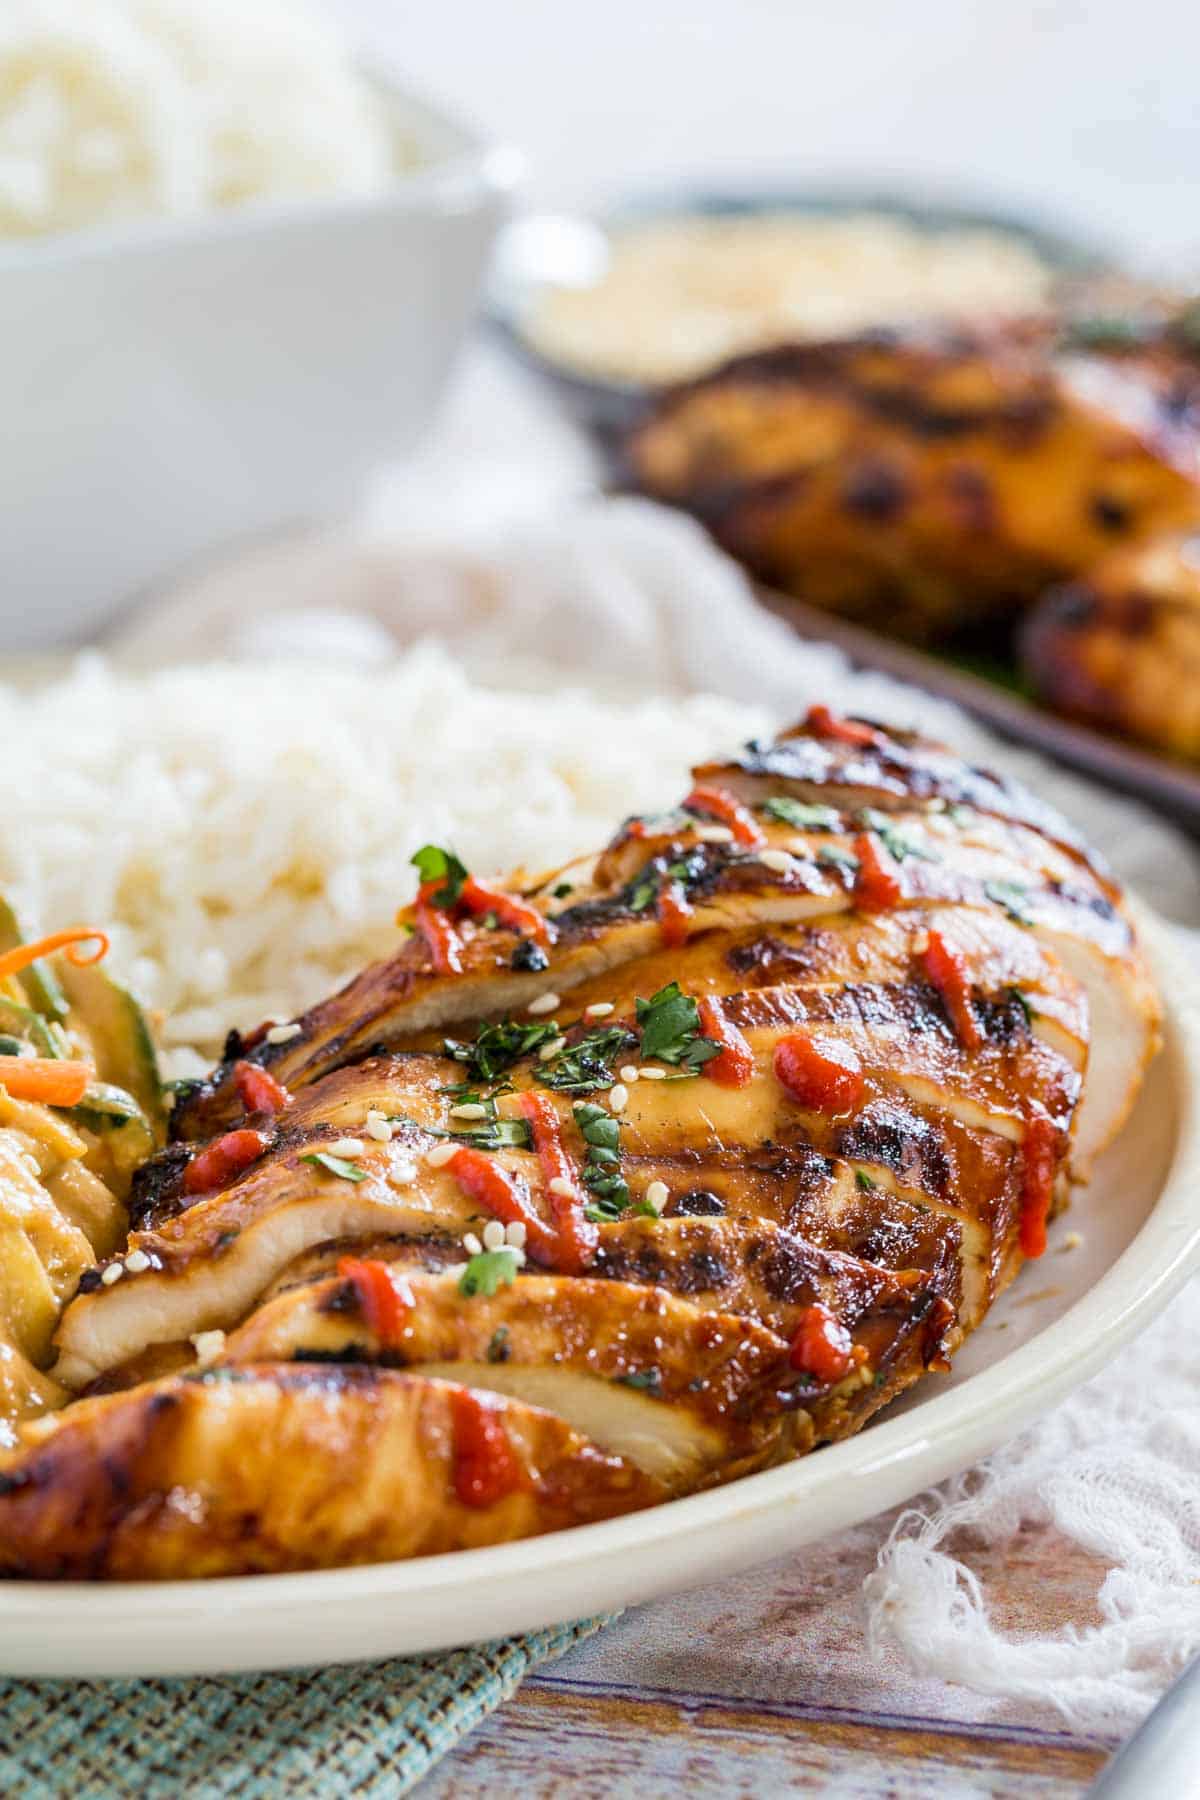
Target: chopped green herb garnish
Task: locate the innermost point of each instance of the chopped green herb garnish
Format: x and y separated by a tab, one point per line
487	1271
601	1173
587	1065
670	1023
866	1182
606	1208
432	863
499	1350
340	1166
1013	897
563	889
895	842
496	1134
597	1126
685	870
498	1047
648	1381
834	858
802	814
489	921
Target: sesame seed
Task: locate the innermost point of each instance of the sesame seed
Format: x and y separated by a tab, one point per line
440	1154
657	1195
518	1255
618	1098
471	1244
493	1235
629	1073
402	1173
1072	1241
347	1146
779	861
515	1234
599	1009
283	1034
562	1187
470	1109
137	1261
652	1074
208	1345
545	1003
113	1273
714	834
800	847
549	1051
378	1127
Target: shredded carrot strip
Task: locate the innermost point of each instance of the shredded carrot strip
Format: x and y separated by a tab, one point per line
45	1078
13	961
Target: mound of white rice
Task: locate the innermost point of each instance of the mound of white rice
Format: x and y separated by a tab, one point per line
120	109
245	834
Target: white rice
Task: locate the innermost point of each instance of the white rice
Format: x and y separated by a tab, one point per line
121	109
245	834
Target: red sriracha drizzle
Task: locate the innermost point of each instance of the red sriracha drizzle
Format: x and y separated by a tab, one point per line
822	1347
385	1304
946	967
1037	1183
822	1074
508	909
444	944
577	1236
823	723
877	885
224	1159
734	1065
497	1193
258	1090
486	1467
674	913
720	804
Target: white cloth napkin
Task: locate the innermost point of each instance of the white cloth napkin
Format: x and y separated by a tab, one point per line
524	577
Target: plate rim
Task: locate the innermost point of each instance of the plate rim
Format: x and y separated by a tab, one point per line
892	1461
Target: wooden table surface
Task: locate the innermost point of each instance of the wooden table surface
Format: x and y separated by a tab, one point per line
766	1686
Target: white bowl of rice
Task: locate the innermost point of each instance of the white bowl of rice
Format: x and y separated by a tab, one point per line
233	275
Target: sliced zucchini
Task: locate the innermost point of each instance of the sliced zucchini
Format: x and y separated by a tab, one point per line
22	1023
115	1027
38	982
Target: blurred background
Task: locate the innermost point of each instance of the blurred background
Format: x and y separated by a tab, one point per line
1083	111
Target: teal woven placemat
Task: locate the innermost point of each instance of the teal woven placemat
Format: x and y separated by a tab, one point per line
371	1729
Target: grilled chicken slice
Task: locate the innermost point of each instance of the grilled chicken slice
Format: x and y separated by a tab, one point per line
1120	646
800	1073
952	1122
294	1466
934	480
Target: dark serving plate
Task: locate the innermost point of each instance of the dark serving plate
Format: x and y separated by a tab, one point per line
1171	787
545	250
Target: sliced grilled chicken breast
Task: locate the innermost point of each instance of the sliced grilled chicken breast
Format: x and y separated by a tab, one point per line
800	1072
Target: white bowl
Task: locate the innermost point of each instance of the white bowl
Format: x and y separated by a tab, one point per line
170	386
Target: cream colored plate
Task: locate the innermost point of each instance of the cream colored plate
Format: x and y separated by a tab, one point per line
1060	1322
